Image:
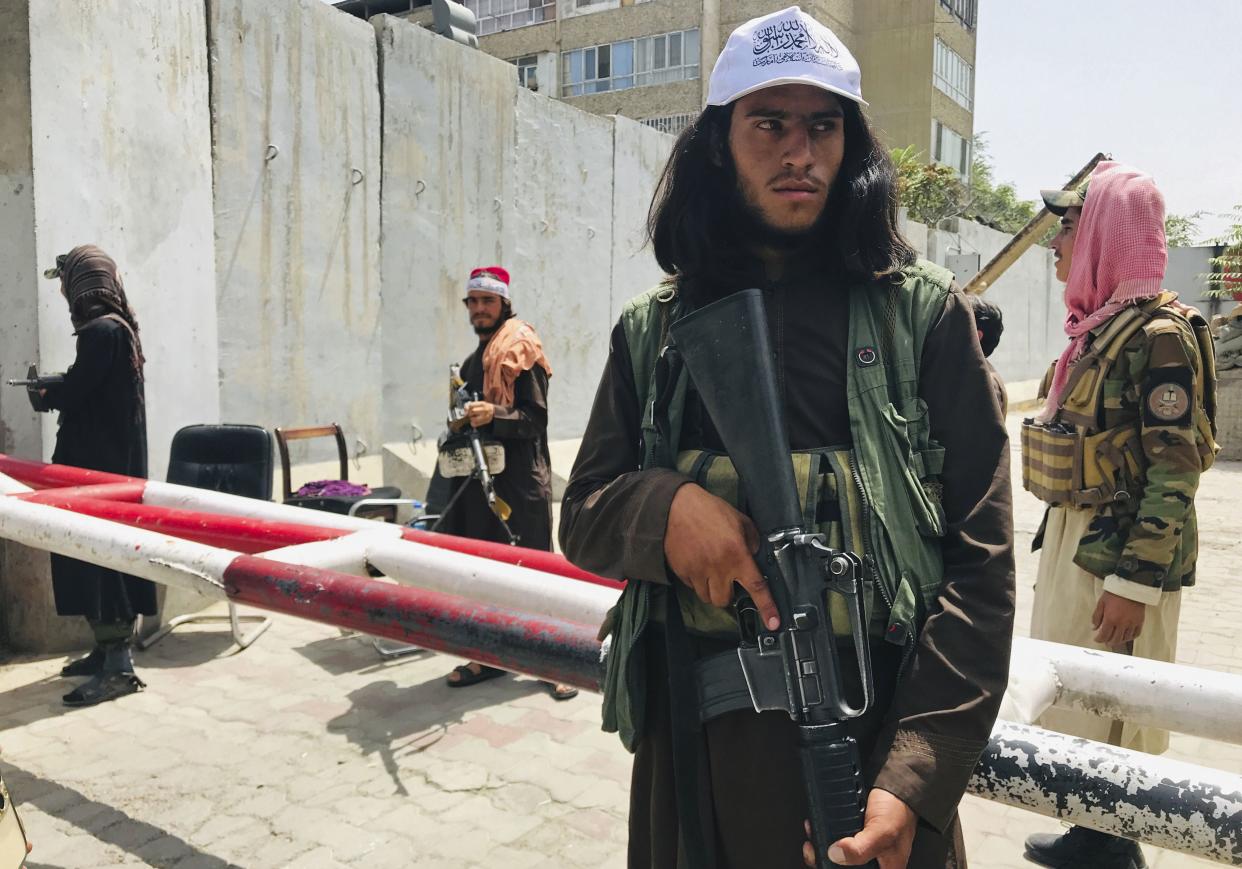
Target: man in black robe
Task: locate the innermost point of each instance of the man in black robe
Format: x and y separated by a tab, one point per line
102	427
510	372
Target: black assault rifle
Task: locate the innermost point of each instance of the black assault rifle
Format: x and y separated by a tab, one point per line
33	383
461	396
727	351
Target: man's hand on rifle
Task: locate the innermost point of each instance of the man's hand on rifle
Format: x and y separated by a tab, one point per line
711	546
886	837
480	413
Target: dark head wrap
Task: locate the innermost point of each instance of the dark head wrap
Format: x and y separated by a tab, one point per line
94	290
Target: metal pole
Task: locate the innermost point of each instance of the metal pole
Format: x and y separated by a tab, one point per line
1163	802
523	642
379	545
1153	799
1191	700
159	494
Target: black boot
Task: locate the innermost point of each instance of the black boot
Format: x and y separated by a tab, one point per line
1081	848
115	679
91	665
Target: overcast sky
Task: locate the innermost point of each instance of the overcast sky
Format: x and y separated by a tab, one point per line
1156	84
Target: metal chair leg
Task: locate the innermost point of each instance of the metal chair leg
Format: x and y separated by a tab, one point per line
394	649
234	620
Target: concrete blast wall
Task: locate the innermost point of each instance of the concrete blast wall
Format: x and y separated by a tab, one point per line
122	158
478	171
1028	294
106	140
296	127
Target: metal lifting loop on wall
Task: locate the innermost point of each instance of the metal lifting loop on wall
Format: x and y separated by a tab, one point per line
271	153
355	176
419	187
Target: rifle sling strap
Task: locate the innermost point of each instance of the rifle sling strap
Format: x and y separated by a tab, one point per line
696	826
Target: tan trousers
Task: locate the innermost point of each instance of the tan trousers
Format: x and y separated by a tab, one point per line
1065	599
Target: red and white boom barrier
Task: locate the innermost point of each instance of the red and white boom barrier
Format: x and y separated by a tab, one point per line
532	612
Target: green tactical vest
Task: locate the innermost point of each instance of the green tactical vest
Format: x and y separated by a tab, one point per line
894	464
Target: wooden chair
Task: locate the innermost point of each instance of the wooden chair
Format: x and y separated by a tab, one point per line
331	503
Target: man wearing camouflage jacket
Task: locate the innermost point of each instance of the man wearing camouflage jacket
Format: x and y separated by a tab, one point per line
1117	452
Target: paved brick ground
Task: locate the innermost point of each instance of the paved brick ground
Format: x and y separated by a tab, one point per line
307	750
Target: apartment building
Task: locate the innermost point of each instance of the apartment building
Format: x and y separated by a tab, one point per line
649	59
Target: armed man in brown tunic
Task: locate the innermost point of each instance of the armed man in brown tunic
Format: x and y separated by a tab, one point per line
780	184
510	373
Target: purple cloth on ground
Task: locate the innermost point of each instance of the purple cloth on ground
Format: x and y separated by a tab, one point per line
332	489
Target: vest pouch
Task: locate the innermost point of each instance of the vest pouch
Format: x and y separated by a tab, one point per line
1080	402
456	458
1048	462
818	496
1205	441
921	462
1111	467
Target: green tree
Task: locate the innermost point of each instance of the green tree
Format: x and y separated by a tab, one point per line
1225	279
993	204
1181	230
929	191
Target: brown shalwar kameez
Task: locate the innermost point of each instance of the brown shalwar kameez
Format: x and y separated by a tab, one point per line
925	734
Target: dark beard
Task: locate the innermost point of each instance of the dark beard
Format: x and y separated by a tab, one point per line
758	233
489	331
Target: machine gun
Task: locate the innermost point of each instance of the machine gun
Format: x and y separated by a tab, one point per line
477	455
727	351
33	383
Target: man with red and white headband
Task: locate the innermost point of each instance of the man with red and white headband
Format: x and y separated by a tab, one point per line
899	450
510	371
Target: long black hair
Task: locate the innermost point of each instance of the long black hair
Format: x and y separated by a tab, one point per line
697	226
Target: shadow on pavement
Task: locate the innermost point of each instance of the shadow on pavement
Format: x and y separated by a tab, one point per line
352	653
102	821
35	701
392	721
188	646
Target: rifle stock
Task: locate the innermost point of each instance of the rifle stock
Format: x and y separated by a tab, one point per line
728	354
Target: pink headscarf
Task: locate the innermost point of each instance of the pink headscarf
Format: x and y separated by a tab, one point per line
1119	259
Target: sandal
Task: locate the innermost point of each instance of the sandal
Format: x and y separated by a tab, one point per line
104	687
561	692
466	676
91	665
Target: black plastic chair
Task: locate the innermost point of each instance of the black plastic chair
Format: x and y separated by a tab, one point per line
237	460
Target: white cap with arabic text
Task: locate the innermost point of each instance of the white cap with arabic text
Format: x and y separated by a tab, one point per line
786	47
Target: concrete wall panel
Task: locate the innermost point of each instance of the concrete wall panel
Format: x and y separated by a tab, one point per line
1028	294
19	274
122	158
639	155
448	193
562	261
297	226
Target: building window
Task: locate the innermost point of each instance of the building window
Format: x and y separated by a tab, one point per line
671	124
965	11
648	60
953	75
527	71
951	149
496	15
